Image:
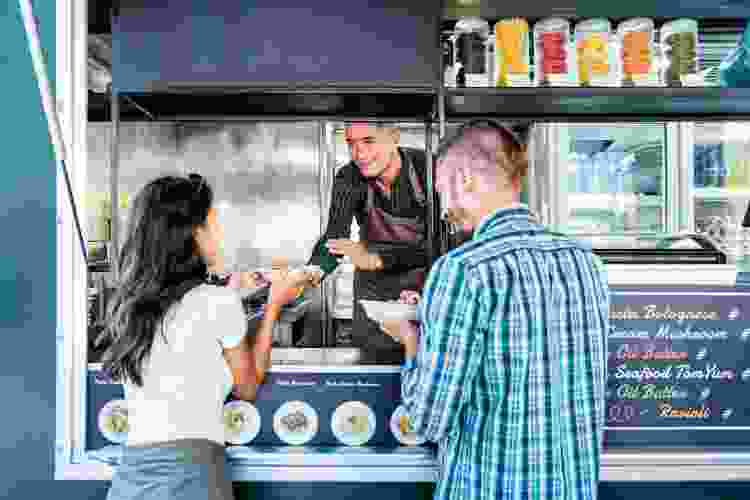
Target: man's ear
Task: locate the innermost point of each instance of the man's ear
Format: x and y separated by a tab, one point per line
470	183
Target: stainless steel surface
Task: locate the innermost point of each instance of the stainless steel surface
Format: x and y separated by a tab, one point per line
310	358
114	193
314	357
266	180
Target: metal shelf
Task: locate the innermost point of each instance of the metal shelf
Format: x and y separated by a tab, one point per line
284	104
600	104
488	9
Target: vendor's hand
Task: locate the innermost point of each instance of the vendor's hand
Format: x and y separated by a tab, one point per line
356	251
289	287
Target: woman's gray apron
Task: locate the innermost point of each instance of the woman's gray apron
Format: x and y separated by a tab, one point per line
383	230
185	469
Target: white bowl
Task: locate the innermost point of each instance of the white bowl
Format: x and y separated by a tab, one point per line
389	311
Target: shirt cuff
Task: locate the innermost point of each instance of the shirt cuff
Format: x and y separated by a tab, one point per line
409	364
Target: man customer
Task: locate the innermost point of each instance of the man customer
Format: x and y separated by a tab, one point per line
506	371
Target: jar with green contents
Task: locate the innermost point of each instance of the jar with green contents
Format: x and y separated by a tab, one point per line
680	52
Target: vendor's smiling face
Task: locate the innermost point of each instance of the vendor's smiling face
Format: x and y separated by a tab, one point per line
373	149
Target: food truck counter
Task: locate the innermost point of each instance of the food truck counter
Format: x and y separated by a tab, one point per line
676	409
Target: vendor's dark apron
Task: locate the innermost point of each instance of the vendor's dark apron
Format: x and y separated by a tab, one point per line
384	230
186	469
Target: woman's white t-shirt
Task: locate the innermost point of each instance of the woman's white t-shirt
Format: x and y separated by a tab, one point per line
187	379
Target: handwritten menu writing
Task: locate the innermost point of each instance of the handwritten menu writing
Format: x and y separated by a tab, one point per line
679	359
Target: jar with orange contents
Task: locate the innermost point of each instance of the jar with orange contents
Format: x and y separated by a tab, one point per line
636	41
512	53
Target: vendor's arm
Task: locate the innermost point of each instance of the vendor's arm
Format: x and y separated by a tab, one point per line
435	382
346	200
400	255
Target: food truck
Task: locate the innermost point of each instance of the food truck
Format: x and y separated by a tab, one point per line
637	148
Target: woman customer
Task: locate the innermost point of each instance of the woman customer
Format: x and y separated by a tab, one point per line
178	343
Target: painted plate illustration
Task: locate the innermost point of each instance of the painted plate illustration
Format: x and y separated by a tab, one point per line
353	423
241	422
113	421
402	429
295	423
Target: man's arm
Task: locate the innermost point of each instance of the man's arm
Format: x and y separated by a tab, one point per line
346	201
436	384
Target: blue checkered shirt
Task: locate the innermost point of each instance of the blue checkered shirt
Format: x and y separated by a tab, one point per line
510	373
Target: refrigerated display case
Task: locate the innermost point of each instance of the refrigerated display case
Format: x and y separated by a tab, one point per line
720	187
613	179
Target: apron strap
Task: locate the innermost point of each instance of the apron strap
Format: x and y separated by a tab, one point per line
416	185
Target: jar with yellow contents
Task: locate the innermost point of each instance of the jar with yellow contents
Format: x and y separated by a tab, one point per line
594	53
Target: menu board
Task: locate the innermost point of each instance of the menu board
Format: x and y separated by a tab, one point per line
679	359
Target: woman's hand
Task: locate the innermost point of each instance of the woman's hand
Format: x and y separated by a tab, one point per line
288	287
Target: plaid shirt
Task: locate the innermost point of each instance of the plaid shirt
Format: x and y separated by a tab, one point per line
510	373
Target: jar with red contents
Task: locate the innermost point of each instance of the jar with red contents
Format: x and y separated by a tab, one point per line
552	52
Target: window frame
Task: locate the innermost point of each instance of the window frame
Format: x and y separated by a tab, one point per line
71	101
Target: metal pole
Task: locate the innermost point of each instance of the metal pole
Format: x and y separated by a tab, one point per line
327	338
431	250
114	160
441	111
444	227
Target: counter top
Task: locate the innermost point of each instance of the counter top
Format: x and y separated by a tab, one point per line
697	276
408	464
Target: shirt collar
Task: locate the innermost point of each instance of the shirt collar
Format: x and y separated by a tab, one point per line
505	219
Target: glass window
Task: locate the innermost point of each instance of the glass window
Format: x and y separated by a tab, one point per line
614	178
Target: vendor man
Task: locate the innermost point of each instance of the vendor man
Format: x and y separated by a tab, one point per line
384	189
